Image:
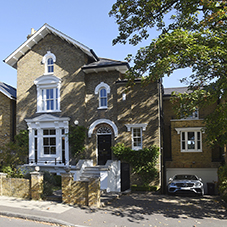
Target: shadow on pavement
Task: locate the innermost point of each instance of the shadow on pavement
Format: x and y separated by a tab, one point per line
136	206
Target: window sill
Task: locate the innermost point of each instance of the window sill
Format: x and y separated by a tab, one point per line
137	148
49	111
191	151
103	108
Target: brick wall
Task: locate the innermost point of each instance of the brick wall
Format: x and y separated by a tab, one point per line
69	61
85	193
172	144
6	119
15	187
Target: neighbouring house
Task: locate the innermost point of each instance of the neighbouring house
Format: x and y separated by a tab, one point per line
7	113
185	149
61	82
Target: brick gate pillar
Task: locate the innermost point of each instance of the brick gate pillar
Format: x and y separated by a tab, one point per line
36	185
2	175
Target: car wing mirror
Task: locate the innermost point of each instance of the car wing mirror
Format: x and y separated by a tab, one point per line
170	179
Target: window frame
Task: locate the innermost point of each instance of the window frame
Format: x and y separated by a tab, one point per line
45	61
131	127
135	137
184	139
103	98
193	116
36	127
101	86
44	83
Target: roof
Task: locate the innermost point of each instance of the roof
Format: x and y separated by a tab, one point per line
39	35
9	91
168	91
104	64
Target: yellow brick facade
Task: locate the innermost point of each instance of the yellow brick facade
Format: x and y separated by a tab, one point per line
7	115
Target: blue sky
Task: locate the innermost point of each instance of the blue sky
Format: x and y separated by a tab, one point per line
86	21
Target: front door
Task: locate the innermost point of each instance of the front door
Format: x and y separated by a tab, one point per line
104	149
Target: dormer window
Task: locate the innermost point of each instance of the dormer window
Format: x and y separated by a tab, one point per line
48	60
102	90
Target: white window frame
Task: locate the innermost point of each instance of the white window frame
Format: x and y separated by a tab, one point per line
98	89
44	83
131	127
185	131
38	125
45	59
194	115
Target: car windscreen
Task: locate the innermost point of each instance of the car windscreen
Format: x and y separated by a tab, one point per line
185	177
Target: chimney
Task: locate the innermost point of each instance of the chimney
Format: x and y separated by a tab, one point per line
33	31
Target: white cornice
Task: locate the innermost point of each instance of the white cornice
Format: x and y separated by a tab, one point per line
194	129
129	126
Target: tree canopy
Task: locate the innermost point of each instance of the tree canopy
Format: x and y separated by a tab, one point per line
192	34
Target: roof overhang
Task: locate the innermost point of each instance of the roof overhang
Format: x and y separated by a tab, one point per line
36	37
122	69
7	94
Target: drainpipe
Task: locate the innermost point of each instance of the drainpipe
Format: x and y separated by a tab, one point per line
160	116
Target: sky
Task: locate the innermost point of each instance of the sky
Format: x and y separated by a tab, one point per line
86	21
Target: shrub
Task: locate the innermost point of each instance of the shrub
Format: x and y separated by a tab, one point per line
77	135
143	161
222	181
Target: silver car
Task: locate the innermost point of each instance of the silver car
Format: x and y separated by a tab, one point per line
185	184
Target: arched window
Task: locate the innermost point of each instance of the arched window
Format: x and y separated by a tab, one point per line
50	65
102	98
48	60
102	90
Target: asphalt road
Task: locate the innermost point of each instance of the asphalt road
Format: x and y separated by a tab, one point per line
147	209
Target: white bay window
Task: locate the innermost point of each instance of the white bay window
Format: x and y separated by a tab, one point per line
48	142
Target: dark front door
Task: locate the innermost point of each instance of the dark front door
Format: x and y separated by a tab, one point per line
104	149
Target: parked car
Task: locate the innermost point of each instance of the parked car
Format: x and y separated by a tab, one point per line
185	184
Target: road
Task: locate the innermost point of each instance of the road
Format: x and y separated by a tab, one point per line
16	222
150	210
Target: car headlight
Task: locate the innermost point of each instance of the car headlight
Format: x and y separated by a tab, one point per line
198	184
172	184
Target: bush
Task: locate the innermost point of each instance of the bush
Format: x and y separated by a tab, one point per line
143	188
14	173
77	135
222	182
143	161
14	154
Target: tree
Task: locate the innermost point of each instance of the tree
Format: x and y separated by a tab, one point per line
192	34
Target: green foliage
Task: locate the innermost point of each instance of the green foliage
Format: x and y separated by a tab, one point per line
50	183
77	135
143	161
143	188
192	35
12	173
222	181
14	154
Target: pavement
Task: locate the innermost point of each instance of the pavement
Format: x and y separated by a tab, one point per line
123	210
47	211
